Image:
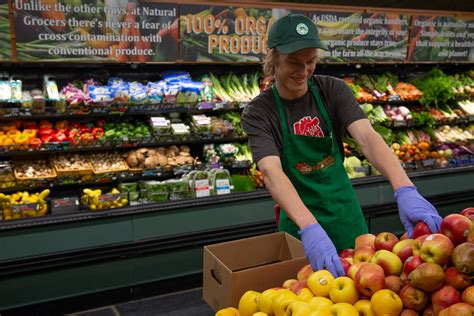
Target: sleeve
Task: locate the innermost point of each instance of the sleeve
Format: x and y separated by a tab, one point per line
347	108
257	122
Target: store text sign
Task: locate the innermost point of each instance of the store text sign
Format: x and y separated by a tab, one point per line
441	38
5	47
362	37
223	34
115	31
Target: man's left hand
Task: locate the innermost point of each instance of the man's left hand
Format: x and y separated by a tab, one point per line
414	208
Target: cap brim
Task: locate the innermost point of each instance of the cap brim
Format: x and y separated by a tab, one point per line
295	46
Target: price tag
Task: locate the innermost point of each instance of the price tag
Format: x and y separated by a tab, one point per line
397	123
428	163
109	197
65	205
222	186
19	208
202	188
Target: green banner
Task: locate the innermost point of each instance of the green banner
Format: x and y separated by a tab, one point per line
441	38
5	45
362	37
225	34
95	31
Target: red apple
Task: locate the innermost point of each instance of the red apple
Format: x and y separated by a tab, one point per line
470	235
385	240
437	248
445	297
417	244
429	311
413	298
347	253
404	236
287	283
411	263
420	229
364	254
468	212
351	272
390	262
457	279
369	279
393	282
295	287
365	240
345	264
468	295
404	249
304	272
409	312
456	227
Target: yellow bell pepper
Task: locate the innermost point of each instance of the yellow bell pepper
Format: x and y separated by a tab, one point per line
31	133
21	139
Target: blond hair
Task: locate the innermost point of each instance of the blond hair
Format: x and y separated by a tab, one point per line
270	62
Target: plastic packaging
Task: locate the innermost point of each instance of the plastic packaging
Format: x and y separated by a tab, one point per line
221	182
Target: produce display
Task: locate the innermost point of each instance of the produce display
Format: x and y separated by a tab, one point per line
24	204
428	274
178	126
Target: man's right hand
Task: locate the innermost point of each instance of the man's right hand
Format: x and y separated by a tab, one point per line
320	250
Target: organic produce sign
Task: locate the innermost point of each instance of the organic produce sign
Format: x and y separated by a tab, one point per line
5	47
225	34
441	38
94	31
362	37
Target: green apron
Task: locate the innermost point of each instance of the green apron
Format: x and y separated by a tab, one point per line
315	168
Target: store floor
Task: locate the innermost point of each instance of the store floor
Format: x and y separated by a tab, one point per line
184	303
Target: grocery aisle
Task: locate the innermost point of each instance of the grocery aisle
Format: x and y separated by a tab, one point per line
184	303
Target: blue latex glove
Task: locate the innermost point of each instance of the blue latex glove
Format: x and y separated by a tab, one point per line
414	208
320	250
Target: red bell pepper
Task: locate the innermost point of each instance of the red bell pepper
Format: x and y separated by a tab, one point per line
46	139
98	132
75	125
73	134
61	125
46	131
45	124
60	137
30	125
85	130
35	143
61	130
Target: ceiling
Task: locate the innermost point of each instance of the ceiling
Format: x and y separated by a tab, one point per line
461	6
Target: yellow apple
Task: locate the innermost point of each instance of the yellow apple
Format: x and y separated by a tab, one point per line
305	294
259	314
344	309
298	308
386	302
248	303
281	301
390	262
319	282
229	311
321	304
343	290
364	308
265	299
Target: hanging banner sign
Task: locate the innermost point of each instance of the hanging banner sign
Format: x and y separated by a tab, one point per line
5	45
226	34
441	38
94	31
362	37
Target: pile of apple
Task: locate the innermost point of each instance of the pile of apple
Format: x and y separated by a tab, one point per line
430	274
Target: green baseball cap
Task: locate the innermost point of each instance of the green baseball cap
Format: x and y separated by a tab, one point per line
292	33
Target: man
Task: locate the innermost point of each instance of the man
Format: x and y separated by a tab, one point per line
295	131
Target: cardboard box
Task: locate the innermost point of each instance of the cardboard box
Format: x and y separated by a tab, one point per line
257	263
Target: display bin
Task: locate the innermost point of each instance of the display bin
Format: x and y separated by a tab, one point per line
256	263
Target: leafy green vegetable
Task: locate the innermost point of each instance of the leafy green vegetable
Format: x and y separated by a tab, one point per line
436	87
423	119
386	133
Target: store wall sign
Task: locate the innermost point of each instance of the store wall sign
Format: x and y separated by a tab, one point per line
94	31
362	37
5	46
441	38
226	34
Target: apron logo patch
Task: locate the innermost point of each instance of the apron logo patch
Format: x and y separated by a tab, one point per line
305	168
308	126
